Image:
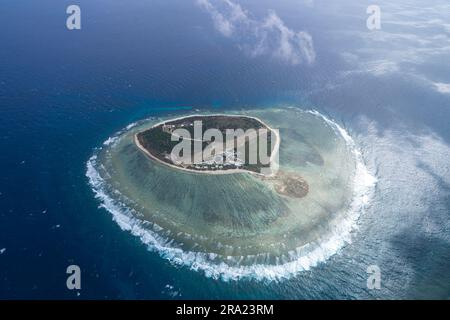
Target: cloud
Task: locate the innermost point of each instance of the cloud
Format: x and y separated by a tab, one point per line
224	25
410	39
442	87
270	36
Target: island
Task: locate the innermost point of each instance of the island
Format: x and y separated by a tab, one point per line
231	154
229	219
244	139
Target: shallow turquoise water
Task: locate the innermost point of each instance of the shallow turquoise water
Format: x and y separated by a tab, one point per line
63	94
237	226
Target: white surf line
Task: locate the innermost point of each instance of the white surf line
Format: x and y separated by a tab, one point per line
306	256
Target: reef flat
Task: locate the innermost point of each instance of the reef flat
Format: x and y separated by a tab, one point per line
239	224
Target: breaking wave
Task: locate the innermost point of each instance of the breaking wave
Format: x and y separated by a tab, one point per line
301	259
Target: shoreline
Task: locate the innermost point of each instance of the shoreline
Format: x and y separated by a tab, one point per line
305	258
212	172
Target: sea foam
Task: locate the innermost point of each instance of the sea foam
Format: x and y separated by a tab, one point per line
302	258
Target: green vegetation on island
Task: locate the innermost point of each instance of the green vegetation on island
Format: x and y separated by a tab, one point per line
236	152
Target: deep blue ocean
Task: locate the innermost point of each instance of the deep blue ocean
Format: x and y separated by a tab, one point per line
62	93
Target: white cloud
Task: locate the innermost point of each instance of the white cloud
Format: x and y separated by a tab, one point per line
270	36
290	46
381	67
222	24
411	38
442	87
